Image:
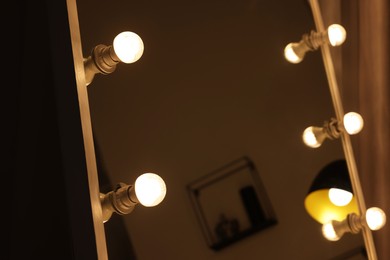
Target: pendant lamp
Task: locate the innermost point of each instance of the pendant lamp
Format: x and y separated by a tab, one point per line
330	196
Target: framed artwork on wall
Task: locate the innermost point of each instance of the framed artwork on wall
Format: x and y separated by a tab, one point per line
231	203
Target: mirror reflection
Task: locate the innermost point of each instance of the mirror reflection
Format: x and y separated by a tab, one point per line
212	85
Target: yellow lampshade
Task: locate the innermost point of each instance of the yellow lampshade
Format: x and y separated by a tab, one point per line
319	207
318	203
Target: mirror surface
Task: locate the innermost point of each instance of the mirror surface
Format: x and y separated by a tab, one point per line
212	86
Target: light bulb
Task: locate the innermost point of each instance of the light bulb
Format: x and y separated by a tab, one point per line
313	136
353	123
291	55
336	34
150	189
329	232
339	197
375	218
128	46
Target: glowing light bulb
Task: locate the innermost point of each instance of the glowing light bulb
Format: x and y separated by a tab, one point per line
313	136
336	34
128	46
375	218
291	55
353	123
150	189
329	233
339	197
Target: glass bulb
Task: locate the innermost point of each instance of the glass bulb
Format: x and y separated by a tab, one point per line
328	232
128	46
313	136
353	123
290	54
375	218
339	197
150	189
336	34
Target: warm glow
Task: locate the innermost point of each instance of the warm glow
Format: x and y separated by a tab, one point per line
329	232
375	218
340	197
336	34
309	137
353	123
290	54
320	208
128	46
150	189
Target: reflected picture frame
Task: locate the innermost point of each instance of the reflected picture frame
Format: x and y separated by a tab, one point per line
231	203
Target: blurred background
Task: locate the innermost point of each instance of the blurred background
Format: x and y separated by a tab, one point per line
212	86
